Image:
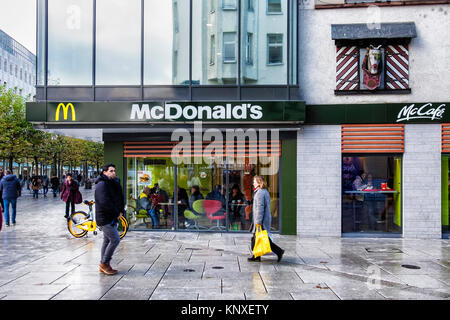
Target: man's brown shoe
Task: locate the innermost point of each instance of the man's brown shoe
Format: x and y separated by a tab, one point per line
106	269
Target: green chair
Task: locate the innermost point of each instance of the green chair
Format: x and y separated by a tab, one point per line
188	214
140	214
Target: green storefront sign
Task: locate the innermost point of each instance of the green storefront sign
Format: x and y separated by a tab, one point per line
421	112
174	112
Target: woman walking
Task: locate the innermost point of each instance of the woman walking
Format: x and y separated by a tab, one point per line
70	194
262	216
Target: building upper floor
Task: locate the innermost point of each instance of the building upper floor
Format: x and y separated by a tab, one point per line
321	52
173	49
17	66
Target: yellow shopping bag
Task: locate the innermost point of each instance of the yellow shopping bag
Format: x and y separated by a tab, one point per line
262	244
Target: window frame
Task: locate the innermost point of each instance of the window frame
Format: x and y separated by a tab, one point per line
212	49
234	43
268	12
227	6
249	52
269	45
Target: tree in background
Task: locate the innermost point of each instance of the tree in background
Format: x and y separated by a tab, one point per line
20	142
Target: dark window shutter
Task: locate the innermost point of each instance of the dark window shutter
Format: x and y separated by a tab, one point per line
397	67
347	68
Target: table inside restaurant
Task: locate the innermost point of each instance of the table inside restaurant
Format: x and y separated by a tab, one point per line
371	191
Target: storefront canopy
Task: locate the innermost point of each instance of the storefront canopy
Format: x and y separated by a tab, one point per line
236	113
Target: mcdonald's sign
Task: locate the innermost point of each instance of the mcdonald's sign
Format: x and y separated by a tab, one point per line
65	108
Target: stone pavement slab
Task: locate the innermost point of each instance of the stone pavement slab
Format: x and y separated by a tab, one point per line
40	260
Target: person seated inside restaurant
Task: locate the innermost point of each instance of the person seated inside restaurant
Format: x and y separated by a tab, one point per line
159	198
217	194
195	195
145	202
183	203
237	203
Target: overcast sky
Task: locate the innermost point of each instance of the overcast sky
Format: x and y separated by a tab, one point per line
18	19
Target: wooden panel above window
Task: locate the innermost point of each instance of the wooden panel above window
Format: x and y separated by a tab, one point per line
446	137
372	138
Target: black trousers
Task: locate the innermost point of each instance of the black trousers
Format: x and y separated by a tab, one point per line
275	249
68	205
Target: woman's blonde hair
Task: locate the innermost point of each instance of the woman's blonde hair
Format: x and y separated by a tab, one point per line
261	182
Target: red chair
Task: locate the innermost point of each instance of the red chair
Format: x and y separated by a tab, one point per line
211	207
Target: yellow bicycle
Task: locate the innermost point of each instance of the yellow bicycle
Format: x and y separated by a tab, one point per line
81	222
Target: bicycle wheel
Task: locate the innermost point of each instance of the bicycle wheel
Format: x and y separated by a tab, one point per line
75	219
122	227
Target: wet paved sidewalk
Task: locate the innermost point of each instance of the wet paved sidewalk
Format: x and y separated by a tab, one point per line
39	259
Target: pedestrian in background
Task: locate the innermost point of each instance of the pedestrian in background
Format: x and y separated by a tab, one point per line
1	199
70	194
262	215
45	183
54	181
36	183
109	207
9	188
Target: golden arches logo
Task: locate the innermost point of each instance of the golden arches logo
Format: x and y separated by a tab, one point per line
65	108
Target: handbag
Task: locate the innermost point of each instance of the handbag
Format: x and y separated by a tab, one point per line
262	243
78	197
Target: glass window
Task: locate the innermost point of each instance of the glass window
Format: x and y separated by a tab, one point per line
118	48
275	48
293	44
229	47
210	195
224	25
229	4
212	53
40	50
150	193
371	194
249	49
166	43
263	39
70	37
273	6
445	196
250	5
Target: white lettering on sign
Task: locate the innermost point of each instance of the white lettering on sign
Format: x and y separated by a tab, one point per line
426	111
173	111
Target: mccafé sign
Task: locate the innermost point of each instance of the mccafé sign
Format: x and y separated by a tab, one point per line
174	112
421	111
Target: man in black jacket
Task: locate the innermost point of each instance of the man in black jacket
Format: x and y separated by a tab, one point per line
109	206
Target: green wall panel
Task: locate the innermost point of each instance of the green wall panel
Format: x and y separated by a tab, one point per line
289	187
114	154
444	191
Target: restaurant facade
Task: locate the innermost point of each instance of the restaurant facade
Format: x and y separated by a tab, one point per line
196	97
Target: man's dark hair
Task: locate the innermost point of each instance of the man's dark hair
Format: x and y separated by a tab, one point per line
8	171
106	167
68	174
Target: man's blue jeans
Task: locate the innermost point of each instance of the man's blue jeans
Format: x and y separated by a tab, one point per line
13	203
154	216
111	240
